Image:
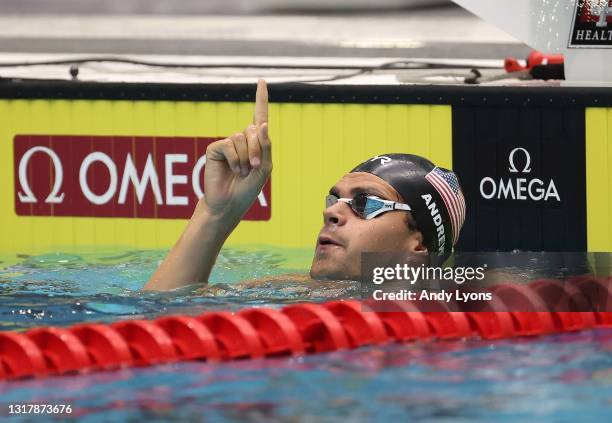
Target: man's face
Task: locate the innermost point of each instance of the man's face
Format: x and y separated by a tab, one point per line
345	235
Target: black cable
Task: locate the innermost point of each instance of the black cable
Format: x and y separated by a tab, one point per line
393	65
408	64
360	70
335	77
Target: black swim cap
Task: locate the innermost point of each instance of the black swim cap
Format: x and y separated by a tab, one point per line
433	193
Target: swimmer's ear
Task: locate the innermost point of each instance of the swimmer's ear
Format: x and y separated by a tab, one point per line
415	242
421	248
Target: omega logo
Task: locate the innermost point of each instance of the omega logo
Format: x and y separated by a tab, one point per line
518	188
28	197
512	167
147	180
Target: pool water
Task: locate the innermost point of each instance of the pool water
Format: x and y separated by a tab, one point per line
560	378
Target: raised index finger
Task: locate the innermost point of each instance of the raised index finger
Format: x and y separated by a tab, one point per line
260	115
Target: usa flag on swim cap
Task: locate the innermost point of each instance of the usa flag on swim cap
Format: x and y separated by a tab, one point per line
447	185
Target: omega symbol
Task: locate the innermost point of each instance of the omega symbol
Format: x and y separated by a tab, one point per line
513	168
28	197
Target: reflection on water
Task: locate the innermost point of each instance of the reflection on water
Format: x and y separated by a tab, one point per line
62	289
565	377
557	378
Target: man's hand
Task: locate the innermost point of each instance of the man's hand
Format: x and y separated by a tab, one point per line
238	167
236	170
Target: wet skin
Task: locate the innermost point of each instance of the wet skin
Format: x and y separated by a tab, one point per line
344	235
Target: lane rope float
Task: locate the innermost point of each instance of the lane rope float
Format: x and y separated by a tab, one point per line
306	328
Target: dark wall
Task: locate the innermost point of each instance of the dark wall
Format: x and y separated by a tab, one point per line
554	138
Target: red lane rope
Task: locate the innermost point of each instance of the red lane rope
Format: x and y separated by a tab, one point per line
303	328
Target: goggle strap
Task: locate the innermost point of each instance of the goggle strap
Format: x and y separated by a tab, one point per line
400	206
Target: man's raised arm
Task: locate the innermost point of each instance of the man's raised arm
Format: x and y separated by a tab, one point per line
236	170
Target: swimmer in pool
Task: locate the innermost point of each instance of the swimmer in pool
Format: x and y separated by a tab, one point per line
392	202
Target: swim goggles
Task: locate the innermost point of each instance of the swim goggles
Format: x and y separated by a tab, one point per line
367	206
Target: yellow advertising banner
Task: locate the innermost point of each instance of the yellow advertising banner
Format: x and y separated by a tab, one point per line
599	178
79	143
